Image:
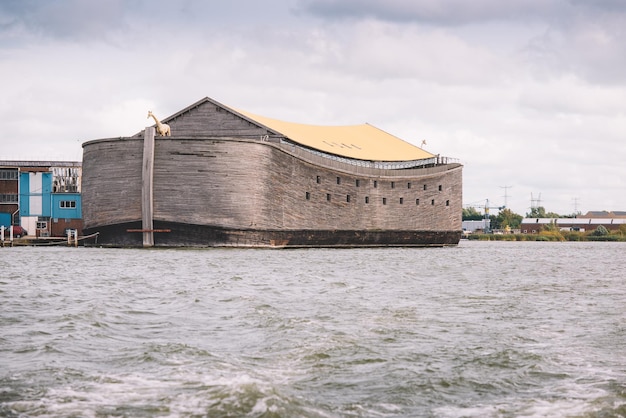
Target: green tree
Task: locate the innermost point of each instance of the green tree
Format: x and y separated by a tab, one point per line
507	218
537	212
471	214
540	212
552	227
600	231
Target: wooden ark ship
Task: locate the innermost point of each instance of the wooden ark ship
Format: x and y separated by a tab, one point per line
224	177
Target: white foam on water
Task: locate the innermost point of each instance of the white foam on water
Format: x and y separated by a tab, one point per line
460	412
176	392
261	406
580	402
235	394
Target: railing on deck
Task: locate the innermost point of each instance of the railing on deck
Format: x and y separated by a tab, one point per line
380	165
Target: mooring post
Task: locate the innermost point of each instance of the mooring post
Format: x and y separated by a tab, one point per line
147	173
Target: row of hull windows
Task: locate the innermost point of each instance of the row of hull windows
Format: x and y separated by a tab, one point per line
392	184
384	200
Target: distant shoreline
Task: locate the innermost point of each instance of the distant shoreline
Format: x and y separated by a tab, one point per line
554	237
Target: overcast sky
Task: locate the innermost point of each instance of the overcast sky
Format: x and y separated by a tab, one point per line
530	95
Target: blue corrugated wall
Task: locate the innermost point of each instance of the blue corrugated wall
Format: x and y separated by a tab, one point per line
50	203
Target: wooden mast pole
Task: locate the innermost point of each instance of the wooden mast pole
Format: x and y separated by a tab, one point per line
147	187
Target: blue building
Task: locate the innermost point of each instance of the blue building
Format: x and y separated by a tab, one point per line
42	196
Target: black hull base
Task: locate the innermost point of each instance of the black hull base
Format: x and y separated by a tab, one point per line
169	234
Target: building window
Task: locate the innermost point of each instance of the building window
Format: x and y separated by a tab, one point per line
408	185
8	174
8	198
67	204
401	200
358	183
432	202
375	184
447	203
417	201
393	184
328	197
367	199
42	225
338	180
440	187
318	180
308	196
348	198
384	200
424	187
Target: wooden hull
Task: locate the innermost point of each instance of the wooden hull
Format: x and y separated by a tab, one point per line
249	193
171	234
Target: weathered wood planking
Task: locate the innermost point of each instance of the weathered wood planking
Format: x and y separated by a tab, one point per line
112	181
252	184
211	120
147	189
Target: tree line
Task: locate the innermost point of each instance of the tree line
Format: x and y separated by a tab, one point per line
507	218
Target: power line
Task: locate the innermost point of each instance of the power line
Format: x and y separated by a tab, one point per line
535	202
576	205
506	195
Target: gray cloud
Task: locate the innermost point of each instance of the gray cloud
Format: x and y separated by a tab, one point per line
562	36
447	12
66	19
524	94
459	12
86	20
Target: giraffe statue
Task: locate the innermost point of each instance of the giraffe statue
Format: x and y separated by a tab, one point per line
162	128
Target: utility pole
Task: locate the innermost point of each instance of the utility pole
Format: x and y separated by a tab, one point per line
506	195
575	206
535	203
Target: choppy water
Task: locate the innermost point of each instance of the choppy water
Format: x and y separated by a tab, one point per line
486	329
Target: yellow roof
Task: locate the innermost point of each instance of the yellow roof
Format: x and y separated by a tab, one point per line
363	142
